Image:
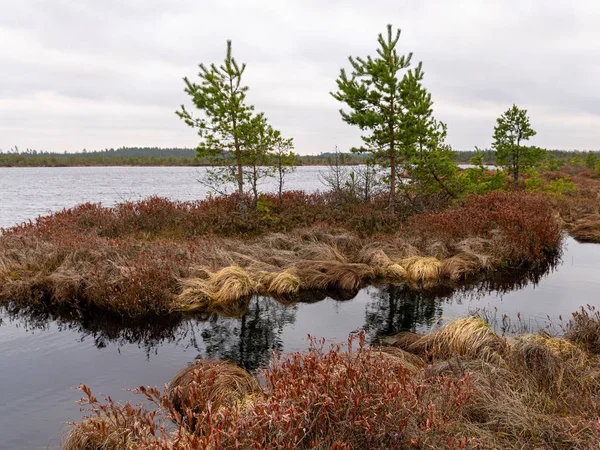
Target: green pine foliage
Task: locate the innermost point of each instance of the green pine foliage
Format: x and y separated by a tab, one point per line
511	130
386	99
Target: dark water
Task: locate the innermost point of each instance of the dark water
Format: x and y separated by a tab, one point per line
43	356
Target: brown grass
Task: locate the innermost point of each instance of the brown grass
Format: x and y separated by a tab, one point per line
102	433
210	384
584	329
462	386
586	230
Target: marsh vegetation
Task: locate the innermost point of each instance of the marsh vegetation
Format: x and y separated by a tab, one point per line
461	386
409	218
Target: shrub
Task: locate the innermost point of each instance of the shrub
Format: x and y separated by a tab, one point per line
321	399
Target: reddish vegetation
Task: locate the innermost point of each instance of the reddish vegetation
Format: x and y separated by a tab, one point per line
462	386
318	400
525	222
131	259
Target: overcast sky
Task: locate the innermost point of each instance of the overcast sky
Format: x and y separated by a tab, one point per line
97	74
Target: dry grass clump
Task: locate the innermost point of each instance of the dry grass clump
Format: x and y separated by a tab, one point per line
102	432
529	391
459	266
421	268
282	284
214	383
586	230
584	329
217	292
396	355
470	337
382	265
330	275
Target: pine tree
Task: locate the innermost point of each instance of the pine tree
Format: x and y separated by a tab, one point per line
373	92
387	100
511	130
591	160
429	158
284	160
225	125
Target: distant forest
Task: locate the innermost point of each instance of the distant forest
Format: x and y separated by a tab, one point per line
154	156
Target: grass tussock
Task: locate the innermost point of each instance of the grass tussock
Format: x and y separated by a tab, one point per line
584	329
421	269
102	432
470	337
459	387
214	383
586	230
156	256
283	284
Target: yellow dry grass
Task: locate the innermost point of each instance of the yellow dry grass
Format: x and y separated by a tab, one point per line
102	432
381	264
470	337
421	268
282	284
220	289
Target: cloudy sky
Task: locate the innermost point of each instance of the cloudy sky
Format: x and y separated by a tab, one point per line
94	74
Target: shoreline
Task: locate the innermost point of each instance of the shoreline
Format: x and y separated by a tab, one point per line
159	257
460	386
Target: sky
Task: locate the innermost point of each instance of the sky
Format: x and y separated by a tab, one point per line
94	74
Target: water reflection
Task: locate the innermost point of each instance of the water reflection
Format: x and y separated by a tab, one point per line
250	340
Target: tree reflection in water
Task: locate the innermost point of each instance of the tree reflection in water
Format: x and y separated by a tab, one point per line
250	339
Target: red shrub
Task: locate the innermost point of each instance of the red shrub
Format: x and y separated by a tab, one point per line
320	399
522	225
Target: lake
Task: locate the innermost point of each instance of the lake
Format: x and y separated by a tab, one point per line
43	355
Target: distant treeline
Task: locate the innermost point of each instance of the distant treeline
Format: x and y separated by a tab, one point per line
155	156
139	156
489	156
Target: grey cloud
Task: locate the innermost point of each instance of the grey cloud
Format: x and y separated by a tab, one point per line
100	74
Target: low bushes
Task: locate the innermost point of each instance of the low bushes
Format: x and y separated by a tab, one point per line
462	386
335	399
143	258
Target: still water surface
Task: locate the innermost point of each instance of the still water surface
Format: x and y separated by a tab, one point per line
43	356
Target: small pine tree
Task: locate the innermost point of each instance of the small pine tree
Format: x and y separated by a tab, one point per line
226	122
591	160
386	98
284	160
375	94
511	130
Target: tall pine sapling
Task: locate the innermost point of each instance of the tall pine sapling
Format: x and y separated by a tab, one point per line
373	94
511	130
225	122
284	160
